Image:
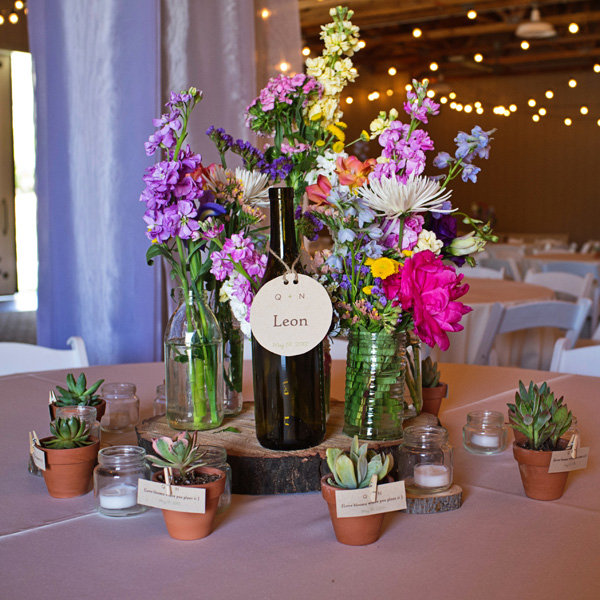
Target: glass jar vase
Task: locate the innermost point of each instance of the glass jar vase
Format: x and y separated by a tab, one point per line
485	432
425	460
83	413
160	401
116	480
216	457
122	407
193	365
376	368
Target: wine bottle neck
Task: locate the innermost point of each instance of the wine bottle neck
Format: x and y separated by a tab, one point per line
283	230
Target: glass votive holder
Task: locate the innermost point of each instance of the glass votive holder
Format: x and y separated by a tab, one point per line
425	459
160	401
485	432
116	480
122	407
84	413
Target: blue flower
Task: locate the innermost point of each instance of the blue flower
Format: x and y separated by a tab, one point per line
346	235
469	173
373	250
442	160
365	215
335	262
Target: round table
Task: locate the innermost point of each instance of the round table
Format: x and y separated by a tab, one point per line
526	349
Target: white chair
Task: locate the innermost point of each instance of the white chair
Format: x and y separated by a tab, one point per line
510	266
590	246
506	251
578	361
22	358
481	272
568	285
569	316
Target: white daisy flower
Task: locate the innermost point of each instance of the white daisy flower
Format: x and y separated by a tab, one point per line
393	199
255	186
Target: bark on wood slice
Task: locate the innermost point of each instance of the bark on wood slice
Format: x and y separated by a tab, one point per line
434	503
256	470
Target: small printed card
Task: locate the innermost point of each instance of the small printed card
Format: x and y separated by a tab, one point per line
291	314
563	460
179	497
356	503
39	458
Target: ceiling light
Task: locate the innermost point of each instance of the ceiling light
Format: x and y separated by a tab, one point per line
535	118
478	57
430	93
542	111
459	107
373	96
472	14
468	108
572	83
596	68
390	92
535	28
479	110
512	108
1	20
19	4
598	122
452	95
284	66
361	44
433	66
392	71
568	122
265	13
573	28
549	94
417	33
477	104
584	110
452	104
525	45
531	102
443	100
13	18
349	100
305	51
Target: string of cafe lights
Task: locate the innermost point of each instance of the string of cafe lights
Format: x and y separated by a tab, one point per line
11	15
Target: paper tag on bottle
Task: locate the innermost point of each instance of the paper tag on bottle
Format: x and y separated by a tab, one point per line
563	461
356	503
291	314
182	498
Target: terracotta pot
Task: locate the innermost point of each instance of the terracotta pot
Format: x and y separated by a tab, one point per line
100	408
432	398
69	470
537	482
353	531
193	526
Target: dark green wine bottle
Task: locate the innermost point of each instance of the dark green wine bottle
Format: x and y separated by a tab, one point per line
289	404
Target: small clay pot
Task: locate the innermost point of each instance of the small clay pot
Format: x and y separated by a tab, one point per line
432	398
194	526
100	409
533	467
69	470
353	531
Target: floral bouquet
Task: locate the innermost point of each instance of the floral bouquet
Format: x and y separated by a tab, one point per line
391	270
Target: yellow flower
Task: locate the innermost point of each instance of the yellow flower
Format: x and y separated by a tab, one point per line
369	261
384	267
364	136
337	132
341	124
367	289
316	116
320	143
338	147
407	252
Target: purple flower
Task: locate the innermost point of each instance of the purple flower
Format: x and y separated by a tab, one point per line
444	226
442	160
419	109
469	173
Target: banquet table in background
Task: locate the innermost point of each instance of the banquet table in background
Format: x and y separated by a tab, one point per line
530	349
499	544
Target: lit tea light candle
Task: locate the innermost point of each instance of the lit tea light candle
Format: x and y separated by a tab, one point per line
122	495
485	440
431	476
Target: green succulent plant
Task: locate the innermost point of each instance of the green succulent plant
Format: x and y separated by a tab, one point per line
354	470
539	416
77	392
430	374
70	432
181	454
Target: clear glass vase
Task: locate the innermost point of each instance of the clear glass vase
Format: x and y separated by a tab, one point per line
233	357
376	367
193	365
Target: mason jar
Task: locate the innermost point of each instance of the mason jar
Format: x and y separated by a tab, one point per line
425	459
116	480
216	456
160	401
83	413
122	407
485	432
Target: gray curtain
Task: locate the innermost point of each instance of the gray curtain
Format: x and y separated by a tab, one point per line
103	69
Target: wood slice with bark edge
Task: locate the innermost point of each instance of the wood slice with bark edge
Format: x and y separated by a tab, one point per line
422	504
256	470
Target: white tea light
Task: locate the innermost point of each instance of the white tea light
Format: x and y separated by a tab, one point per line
122	495
485	441
431	476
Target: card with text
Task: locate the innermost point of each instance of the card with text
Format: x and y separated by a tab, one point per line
356	503
179	497
562	460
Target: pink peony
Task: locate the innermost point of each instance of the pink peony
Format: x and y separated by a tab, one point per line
429	289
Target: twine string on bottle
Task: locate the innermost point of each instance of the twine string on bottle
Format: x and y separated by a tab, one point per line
288	270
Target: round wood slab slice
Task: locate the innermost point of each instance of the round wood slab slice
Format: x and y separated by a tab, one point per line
418	504
256	470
